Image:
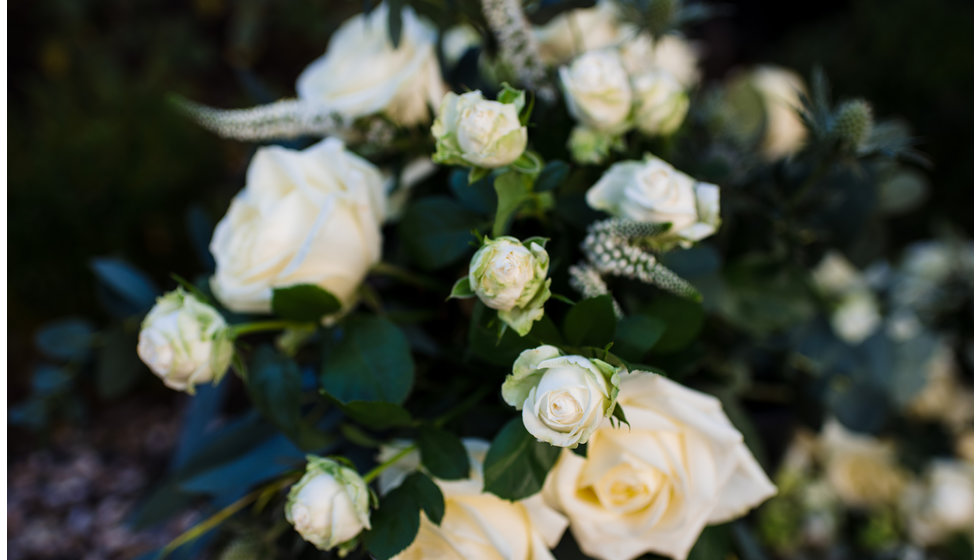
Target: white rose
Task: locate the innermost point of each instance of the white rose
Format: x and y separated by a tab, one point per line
862	470
471	130
362	74
329	505
661	102
653	191
942	504
679	57
563	399
477	525
574	32
778	91
511	277
597	90
855	315
653	486
304	217
185	341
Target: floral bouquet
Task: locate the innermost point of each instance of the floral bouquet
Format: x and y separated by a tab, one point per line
514	282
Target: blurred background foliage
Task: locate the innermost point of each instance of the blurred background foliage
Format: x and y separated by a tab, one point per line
101	165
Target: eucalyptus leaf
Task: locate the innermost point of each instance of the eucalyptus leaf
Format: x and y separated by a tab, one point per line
66	339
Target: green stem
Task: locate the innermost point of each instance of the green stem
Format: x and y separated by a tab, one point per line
262	326
407	276
376	471
210	523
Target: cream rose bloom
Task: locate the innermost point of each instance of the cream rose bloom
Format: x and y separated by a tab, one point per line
362	74
563	399
477	525
577	31
661	102
597	90
777	92
185	341
941	504
329	505
862	470
471	130
304	217
653	191
652	487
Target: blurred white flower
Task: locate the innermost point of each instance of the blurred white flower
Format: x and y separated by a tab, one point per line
941	504
362	74
862	470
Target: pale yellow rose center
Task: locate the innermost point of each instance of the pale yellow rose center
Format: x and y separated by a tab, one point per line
626	489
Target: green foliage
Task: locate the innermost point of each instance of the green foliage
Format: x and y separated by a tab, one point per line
516	464
275	386
303	302
591	322
443	453
394	524
367	359
436	231
66	340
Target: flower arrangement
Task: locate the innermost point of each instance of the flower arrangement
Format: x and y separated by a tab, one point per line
471	314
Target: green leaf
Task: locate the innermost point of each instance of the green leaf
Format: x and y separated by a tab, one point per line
119	367
489	345
591	322
683	318
67	339
377	415
516	464
478	197
477	174
303	302
443	453
436	231
367	359
552	176
462	289
394	524
275	386
513	190
427	494
637	334
128	288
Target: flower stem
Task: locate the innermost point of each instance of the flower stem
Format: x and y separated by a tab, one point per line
407	276
373	473
262	326
210	523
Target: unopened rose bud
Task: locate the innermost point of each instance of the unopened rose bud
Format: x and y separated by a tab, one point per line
512	277
185	341
330	505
